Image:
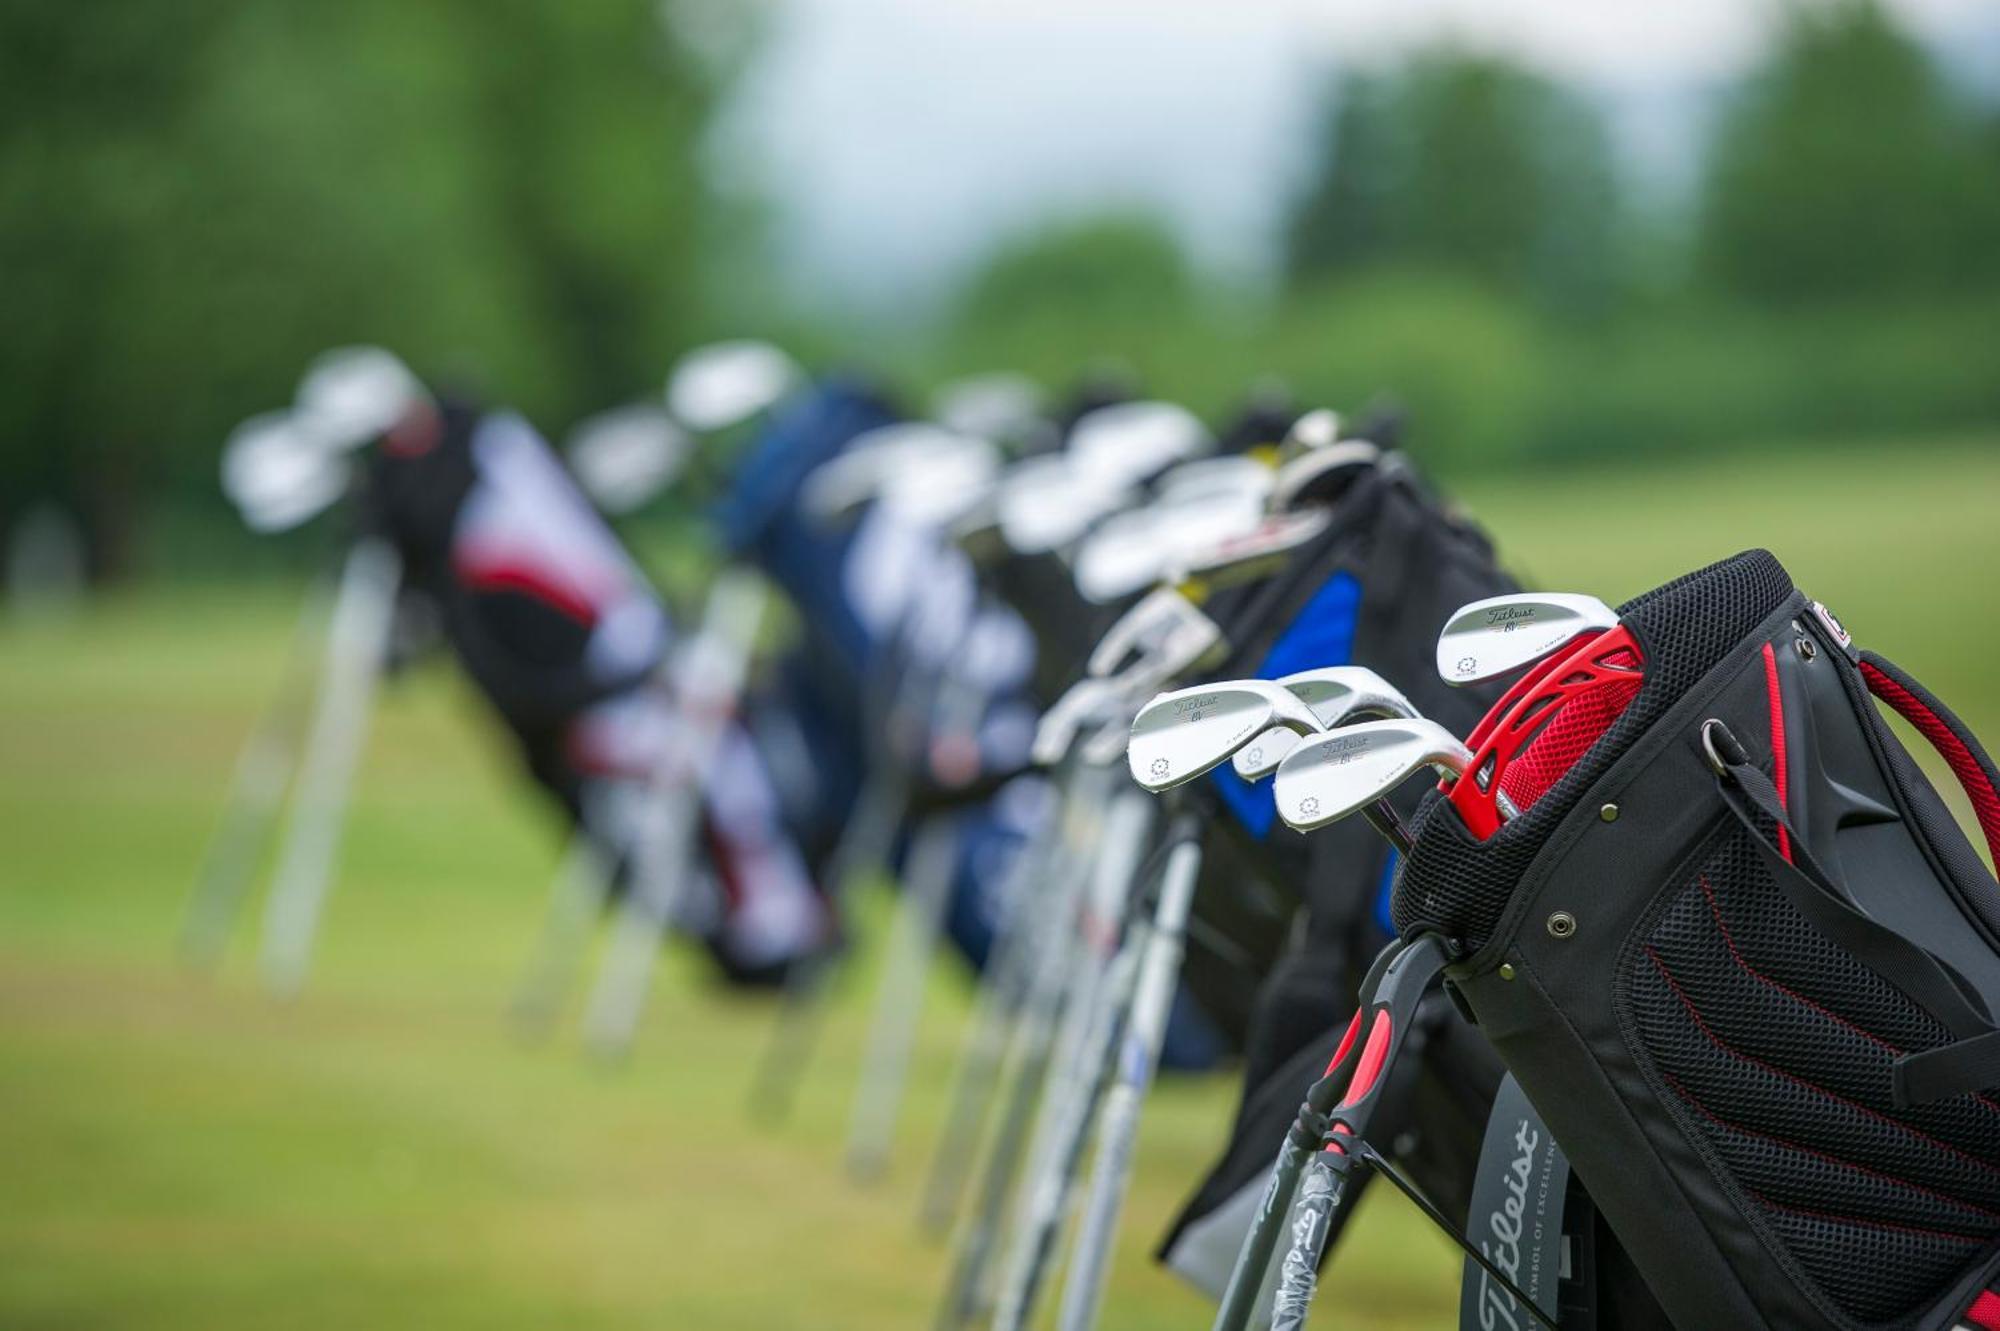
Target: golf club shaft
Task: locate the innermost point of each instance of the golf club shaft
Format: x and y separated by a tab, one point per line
1159	973
1119	842
1382	816
966	1289
998	1008
1049	1196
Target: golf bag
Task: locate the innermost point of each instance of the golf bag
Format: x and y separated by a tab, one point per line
884	614
1744	963
547	613
1306	914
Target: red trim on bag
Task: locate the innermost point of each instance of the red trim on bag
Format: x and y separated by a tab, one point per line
1693	1102
1985	1311
1969	1240
1729	941
502	577
1777	698
1963	762
1732	1051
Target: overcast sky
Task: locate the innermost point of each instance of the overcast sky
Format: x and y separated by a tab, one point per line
898	138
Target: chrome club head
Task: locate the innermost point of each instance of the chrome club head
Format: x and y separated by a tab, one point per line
1129	442
351	395
278	475
1501	634
625	457
724	384
927	474
1178	736
1336	694
1330	776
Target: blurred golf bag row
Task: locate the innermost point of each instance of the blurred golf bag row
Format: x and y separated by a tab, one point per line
1670	1003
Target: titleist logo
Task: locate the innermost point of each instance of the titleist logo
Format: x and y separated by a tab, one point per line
1508	616
1503	1248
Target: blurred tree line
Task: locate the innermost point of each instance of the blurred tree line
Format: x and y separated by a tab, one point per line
1464	240
197	197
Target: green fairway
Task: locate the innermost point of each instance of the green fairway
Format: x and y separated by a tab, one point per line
183	1151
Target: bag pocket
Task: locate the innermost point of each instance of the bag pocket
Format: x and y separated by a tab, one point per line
1772	1050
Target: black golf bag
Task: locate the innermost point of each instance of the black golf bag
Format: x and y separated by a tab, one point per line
1745	964
545	610
1287	924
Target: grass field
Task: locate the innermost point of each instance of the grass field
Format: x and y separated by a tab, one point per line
184	1152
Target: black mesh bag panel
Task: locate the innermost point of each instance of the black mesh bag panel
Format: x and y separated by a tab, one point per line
1773	1049
1458	885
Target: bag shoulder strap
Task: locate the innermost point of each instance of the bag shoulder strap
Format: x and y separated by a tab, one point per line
1954	742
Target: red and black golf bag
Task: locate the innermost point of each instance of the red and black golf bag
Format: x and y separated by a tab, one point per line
545	609
1742	959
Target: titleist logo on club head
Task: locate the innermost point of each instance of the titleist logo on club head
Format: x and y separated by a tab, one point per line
1507	618
1507	1223
1189	709
1341	749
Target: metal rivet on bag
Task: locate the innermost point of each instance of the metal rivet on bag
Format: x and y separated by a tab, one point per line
1609	813
1562	924
1807	651
1506	970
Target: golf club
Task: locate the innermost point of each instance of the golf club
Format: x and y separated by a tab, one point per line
1185	733
1501	634
1334	693
1327	778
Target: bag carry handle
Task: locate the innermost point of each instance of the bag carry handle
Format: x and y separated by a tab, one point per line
1947	734
1970	1061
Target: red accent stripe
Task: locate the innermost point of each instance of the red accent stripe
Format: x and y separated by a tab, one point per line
1777	698
1778	1072
1373	1055
1985	1311
1694	1103
1891	1226
1346	1043
506	577
1367	1072
1964	763
1729	941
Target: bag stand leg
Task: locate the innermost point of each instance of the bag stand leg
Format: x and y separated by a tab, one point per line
863	850
899	997
257	790
357	641
708	680
583	884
